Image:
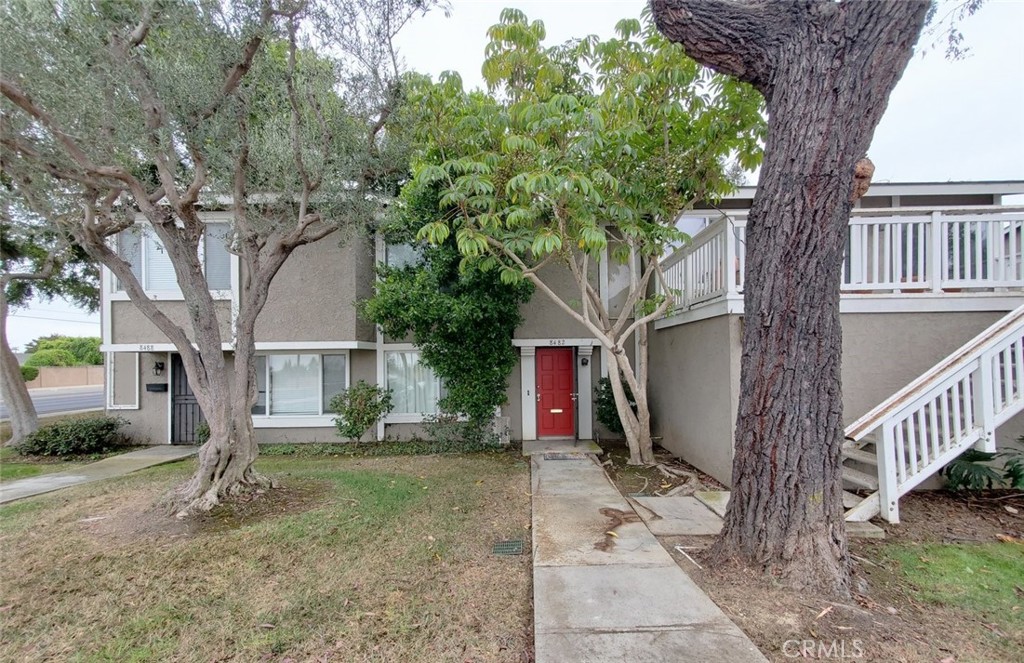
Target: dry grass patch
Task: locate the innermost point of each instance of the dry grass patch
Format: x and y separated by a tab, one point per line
352	560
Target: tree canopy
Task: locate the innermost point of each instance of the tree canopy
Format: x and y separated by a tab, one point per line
578	149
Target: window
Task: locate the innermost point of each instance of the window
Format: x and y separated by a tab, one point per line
144	251
415	388
298	385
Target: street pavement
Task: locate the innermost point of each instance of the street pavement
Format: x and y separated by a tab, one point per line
62	399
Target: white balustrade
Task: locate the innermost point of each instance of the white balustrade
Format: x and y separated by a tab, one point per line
907	251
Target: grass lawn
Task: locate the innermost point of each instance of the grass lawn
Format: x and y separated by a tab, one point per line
13	466
982	581
352	559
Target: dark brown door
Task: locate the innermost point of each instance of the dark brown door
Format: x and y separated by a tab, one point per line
556	402
185	412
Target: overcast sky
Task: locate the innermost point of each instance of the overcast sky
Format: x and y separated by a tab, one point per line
946	121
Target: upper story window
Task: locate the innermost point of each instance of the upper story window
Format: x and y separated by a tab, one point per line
151	264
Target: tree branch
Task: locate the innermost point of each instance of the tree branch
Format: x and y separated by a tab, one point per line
737	38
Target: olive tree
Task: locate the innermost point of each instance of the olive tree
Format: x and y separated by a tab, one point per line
578	149
277	111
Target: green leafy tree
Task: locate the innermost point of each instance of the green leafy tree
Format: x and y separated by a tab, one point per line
279	111
461	317
37	262
582	148
51	357
85	349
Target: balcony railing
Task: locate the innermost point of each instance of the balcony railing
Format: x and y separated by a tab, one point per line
888	251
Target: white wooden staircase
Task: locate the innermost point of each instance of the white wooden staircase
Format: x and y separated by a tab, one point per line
954	406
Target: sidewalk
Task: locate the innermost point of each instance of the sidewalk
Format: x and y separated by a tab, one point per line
108	468
604	588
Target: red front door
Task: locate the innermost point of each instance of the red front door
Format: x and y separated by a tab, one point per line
556	408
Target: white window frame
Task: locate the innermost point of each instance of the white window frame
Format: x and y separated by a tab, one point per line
148	235
403	418
109	388
322	420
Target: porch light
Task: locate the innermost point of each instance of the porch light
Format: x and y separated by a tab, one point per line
158	368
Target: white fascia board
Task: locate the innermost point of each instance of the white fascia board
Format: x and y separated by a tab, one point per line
315	345
555	342
1005	187
150	347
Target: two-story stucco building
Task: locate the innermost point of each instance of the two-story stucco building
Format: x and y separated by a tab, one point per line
930	267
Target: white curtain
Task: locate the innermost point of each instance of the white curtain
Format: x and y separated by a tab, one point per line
218	260
414	386
294	384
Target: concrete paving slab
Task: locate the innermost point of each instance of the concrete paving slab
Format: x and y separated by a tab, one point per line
107	468
569	477
533	447
584	530
619	597
679	515
702	644
621	604
859	530
716	500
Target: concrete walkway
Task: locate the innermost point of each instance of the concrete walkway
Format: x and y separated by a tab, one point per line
604	588
108	468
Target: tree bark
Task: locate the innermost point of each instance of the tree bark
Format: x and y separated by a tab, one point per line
826	70
24	420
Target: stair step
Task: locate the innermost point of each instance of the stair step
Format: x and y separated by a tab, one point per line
861	456
859	478
867	509
851	500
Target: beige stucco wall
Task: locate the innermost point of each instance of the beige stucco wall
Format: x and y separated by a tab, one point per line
66	376
693	391
543	318
697	367
129	325
148	424
313	297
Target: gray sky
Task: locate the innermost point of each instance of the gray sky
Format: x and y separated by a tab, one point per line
946	121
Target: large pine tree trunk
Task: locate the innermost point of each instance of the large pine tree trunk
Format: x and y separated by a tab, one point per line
826	70
22	411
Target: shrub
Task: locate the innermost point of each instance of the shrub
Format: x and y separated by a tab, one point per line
51	357
29	373
86	349
607	411
359	407
75	437
450	434
202	432
971	471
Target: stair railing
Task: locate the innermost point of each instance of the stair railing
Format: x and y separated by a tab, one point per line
955	405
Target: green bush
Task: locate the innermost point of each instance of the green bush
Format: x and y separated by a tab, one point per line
607	411
51	357
359	407
75	437
451	434
29	373
202	432
971	471
86	349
